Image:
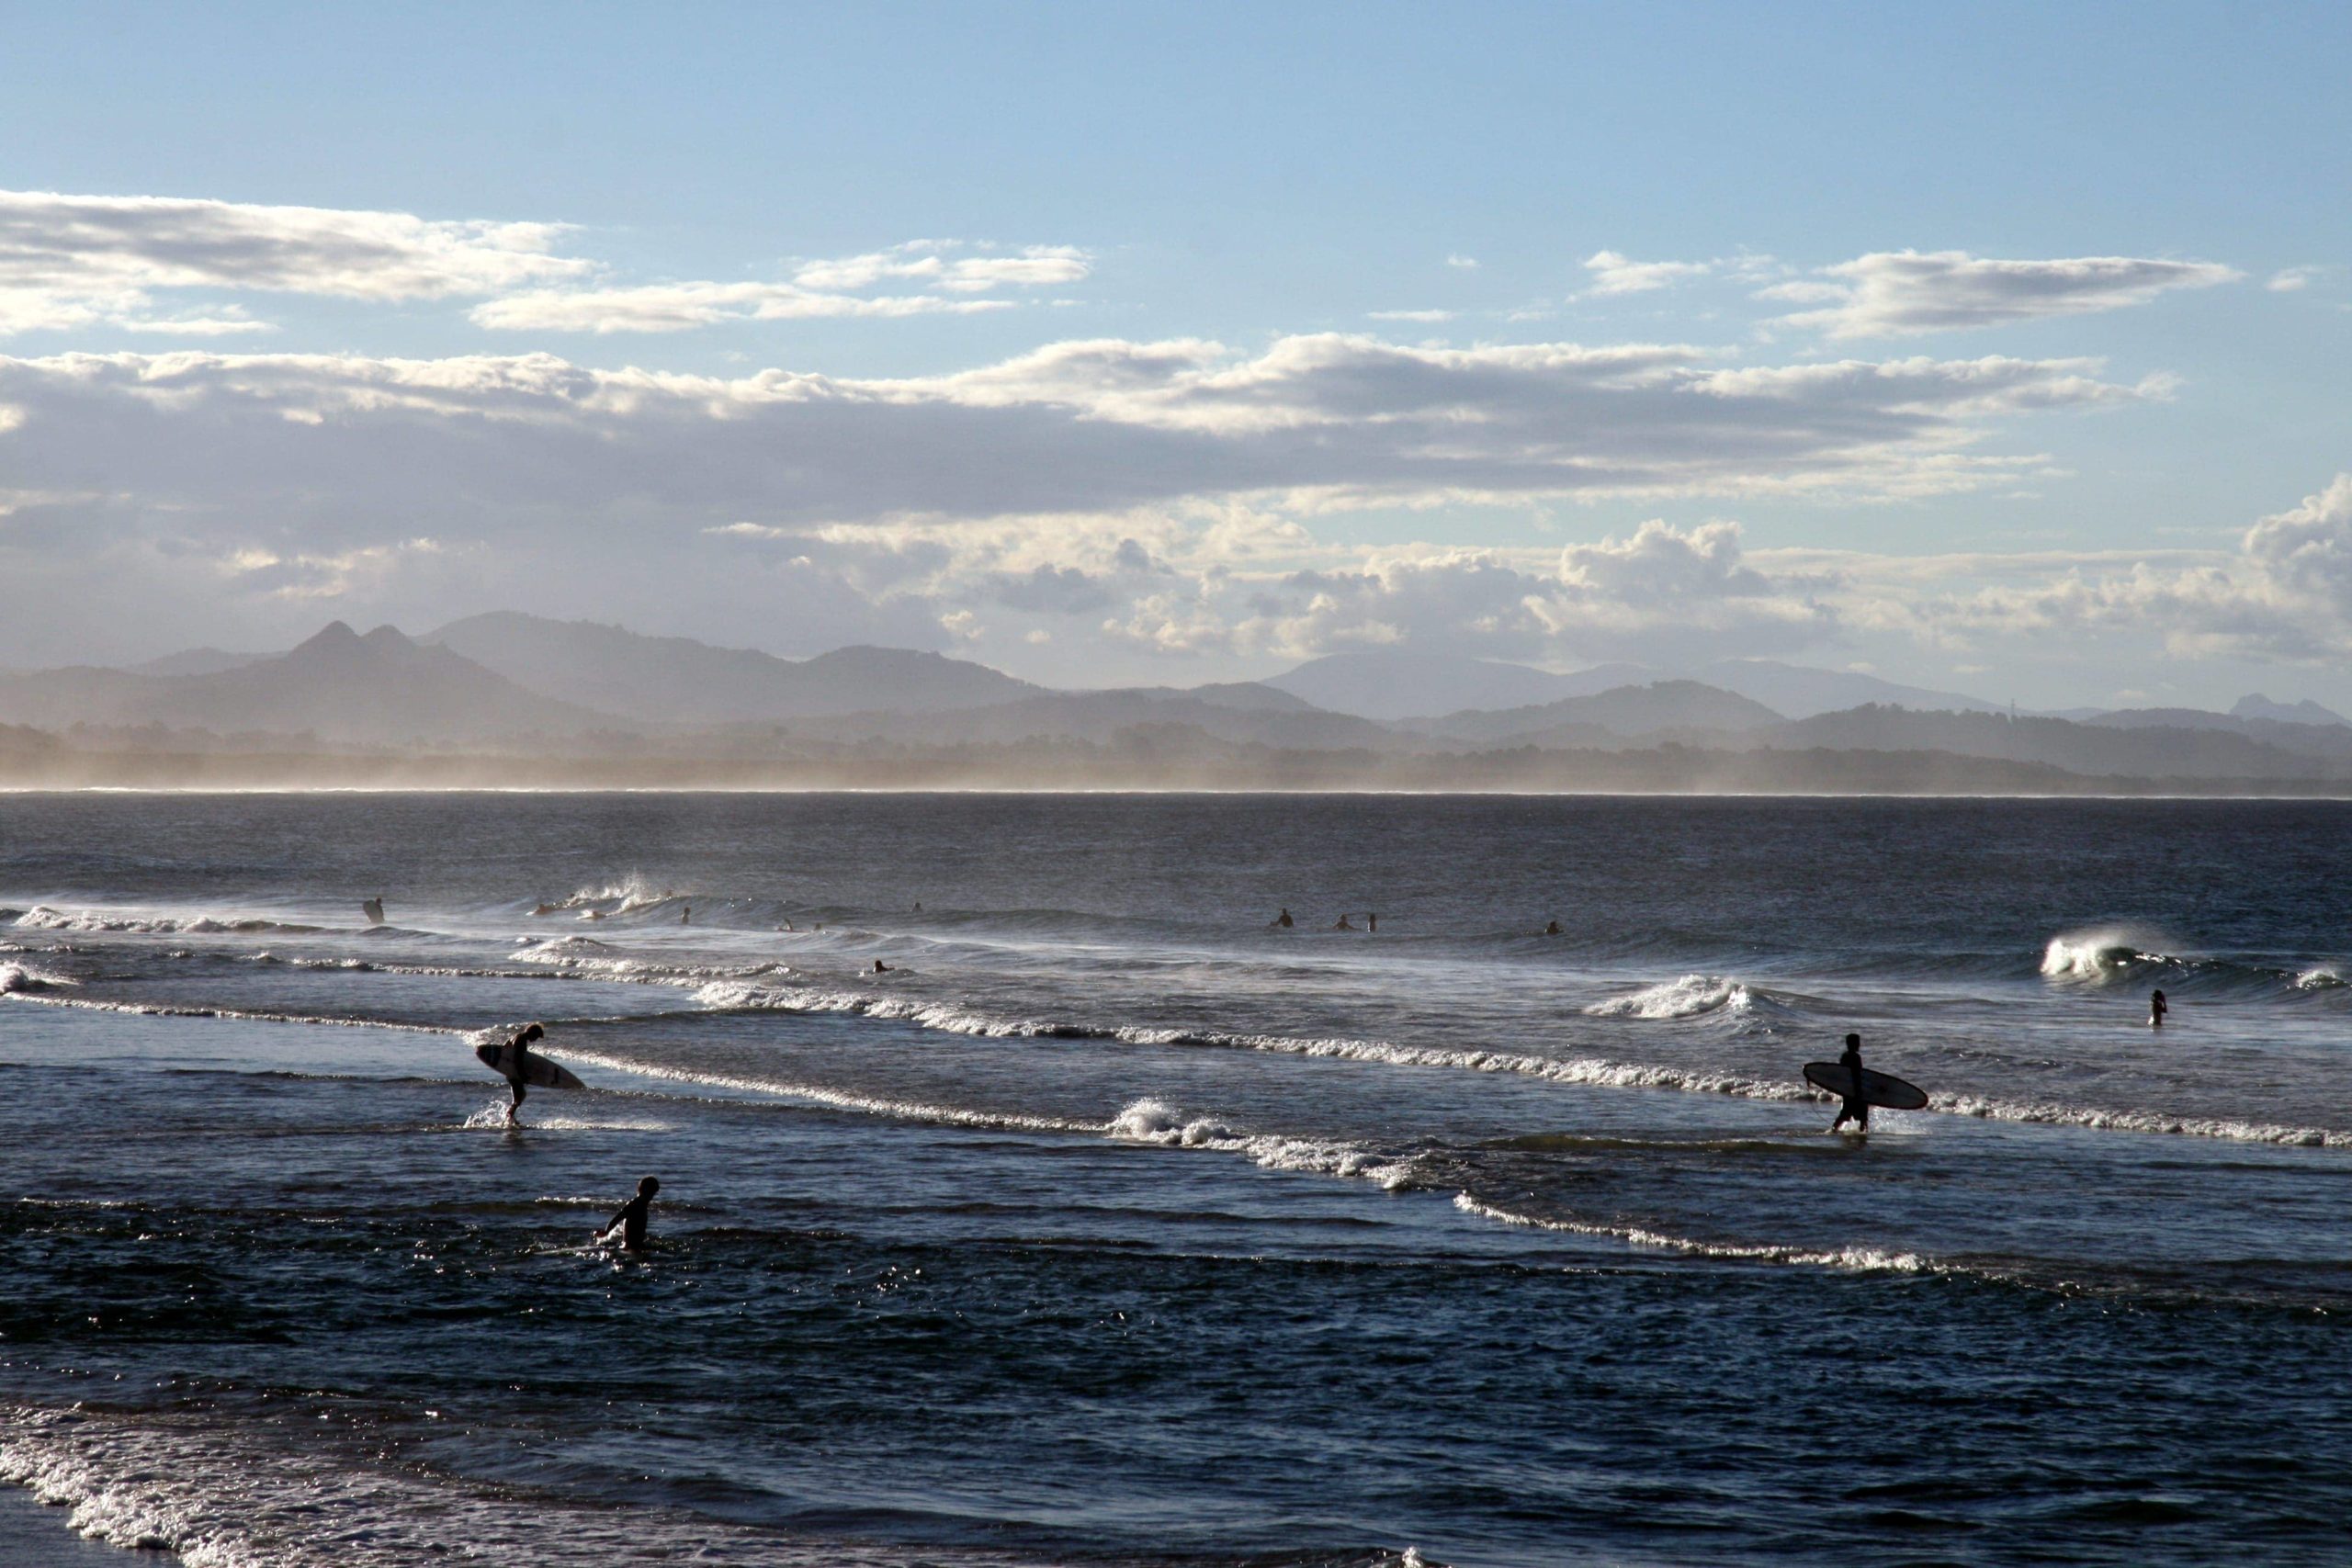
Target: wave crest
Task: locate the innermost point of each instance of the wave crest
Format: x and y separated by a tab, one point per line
1691	996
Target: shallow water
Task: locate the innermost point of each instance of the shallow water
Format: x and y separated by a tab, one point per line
1111	1226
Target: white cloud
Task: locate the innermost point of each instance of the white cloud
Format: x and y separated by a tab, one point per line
678	307
944	282
2284	594
935	263
1465	263
1614	273
1161	485
1903	293
72	261
1429	316
1663	593
2292	279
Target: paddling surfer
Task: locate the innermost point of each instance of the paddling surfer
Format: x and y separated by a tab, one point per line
1856	1109
518	1068
2157	1008
631	1221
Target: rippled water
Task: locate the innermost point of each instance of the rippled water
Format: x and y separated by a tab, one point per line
1111	1226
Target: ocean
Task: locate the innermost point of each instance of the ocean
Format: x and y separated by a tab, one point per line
1112	1225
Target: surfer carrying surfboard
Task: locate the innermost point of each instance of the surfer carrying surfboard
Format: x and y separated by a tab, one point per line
1858	1088
518	1068
1854	1108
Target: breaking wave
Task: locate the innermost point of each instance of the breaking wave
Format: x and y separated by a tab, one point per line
1154	1121
1691	996
22	977
1859	1258
42	918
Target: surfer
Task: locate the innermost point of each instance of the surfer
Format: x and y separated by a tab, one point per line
631	1221
1551	928
686	915
2156	1010
1341	924
1372	922
518	1068
1282	921
1856	1109
374	910
881	968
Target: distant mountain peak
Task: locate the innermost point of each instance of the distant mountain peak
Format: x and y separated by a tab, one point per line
334	634
2256	706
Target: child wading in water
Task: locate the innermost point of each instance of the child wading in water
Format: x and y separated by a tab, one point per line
631	1221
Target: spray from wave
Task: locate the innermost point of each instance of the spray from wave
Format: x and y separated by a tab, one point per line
1693	995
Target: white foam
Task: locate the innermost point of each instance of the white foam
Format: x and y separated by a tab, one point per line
2139	1121
1854	1257
631	893
820	1094
225	1499
1686	998
20	977
42	918
173	1009
1154	1121
2097	956
2321	980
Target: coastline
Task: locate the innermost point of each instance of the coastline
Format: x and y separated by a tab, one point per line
34	1534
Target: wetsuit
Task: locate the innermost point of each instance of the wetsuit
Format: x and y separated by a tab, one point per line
631	1221
519	1070
1856	1109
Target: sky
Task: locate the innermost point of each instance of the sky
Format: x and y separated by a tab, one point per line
1992	348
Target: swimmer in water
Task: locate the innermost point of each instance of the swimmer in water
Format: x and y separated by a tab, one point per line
881	968
2157	1008
631	1221
1283	922
1552	928
1341	924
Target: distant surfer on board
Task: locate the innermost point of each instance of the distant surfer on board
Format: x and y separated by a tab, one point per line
631	1221
1855	1108
2156	1010
374	910
518	1068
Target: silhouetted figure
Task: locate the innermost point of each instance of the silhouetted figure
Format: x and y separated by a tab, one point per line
1856	1109
2157	1008
1341	924
881	968
1372	922
631	1221
1551	928
518	1068
1283	921
686	915
917	906
374	910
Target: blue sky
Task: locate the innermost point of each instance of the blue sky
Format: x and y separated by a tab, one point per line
2125	324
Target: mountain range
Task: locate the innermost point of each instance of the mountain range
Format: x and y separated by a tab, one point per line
511	683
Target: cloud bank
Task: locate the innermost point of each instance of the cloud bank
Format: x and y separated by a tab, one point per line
1906	293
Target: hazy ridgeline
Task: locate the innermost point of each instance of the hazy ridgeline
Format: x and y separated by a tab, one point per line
509	700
